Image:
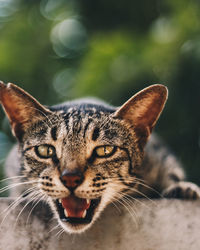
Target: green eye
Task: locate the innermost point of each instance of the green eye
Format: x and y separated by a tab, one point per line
45	151
105	151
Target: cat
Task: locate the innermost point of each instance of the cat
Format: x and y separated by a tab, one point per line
82	155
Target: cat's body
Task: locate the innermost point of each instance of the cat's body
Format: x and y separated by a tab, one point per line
82	155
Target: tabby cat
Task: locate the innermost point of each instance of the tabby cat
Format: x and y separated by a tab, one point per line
82	155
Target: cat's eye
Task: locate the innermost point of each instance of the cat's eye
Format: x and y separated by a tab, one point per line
45	151
105	151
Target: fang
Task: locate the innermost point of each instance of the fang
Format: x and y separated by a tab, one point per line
65	212
84	214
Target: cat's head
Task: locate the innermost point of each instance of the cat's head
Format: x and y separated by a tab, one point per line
81	155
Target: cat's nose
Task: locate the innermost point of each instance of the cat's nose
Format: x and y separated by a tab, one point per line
71	180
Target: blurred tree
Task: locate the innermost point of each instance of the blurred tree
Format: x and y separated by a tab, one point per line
64	49
103	15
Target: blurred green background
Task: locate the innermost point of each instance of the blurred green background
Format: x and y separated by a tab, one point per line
63	49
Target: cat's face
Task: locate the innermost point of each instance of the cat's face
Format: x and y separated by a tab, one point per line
82	162
82	157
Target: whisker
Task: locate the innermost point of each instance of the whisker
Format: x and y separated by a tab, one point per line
121	196
142	194
54	228
16	185
18	198
142	183
134	189
60	233
129	203
118	198
127	206
14	177
15	203
27	203
136	200
42	196
115	205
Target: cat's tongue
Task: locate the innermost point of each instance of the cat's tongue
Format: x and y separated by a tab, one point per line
75	207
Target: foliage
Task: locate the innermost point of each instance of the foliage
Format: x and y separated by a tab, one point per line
64	49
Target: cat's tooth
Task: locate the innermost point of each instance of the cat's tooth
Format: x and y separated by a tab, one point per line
65	212
60	201
84	214
88	201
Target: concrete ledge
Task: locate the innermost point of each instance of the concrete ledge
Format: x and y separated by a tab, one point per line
158	225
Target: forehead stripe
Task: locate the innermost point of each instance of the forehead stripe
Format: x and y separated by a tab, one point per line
95	134
86	126
54	133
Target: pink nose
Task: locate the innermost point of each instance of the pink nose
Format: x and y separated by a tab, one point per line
71	180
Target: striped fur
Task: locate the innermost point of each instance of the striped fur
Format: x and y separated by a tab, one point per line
75	130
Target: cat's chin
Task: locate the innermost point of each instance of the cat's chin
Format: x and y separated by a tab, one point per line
76	215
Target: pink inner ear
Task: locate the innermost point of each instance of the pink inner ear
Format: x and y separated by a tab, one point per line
148	111
15	108
143	110
21	108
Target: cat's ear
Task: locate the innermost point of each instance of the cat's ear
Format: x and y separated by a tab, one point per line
21	108
143	110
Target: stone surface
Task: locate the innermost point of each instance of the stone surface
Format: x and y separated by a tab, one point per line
148	225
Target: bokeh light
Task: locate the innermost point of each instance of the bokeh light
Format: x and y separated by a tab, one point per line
63	49
68	37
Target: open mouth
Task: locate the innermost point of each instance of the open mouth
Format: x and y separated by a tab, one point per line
75	210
